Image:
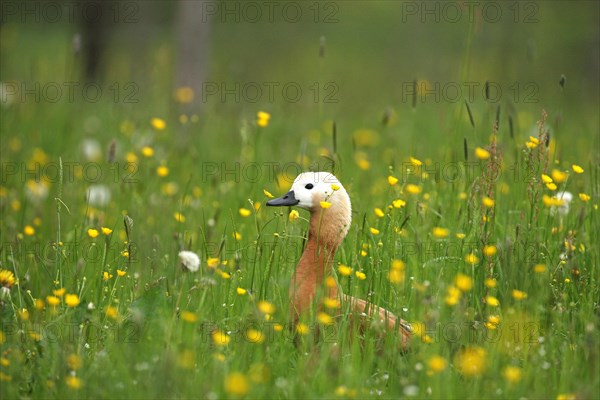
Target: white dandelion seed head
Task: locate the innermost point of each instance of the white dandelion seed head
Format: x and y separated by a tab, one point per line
190	260
563	209
91	149
98	195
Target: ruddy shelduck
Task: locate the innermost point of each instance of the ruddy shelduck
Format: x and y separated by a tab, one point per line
324	196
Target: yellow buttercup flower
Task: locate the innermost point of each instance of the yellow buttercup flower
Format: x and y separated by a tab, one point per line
267	193
92	233
416	162
437	364
374	231
490	250
162	171
325	204
392	180
71	300
220	338
29	230
147	151
265	307
577	169
518	294
463	282
158	123
471	361
440	233
244	212
512	374
482	154
344	270
324	318
7	278
412	189
294	215
471	259
106	231
488	202
379	212
398	203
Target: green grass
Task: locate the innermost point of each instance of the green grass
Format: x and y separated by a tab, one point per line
157	338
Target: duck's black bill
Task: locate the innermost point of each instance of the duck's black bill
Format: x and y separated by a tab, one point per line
286	200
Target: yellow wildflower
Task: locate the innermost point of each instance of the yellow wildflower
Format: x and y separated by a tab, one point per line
302	329
412	189
162	171
71	300
53	300
92	233
267	194
360	275
212	262
512	374
147	151
189	316
325	204
29	230
471	258
482	154
398	203
437	364
106	231
254	336
236	384
584	197
344	270
241	291
392	180
471	361
158	123
416	162
559	176
112	312
265	307
546	178
374	231
490	250
220	338
539	268
184	94
492	301
463	282
7	278
73	382
329	302
577	169
488	202
324	318
379	212
518	294
294	215
440	233
121	273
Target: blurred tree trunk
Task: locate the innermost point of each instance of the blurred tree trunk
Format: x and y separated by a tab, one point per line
193	30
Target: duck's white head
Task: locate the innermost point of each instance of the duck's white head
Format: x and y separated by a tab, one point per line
310	189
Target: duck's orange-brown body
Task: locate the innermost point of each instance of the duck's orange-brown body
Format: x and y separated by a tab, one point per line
328	227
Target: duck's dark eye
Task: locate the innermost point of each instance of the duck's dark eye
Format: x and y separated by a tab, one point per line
309	186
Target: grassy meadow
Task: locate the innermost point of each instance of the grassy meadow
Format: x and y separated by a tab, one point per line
469	150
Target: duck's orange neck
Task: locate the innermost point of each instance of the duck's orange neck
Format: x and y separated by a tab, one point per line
316	262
